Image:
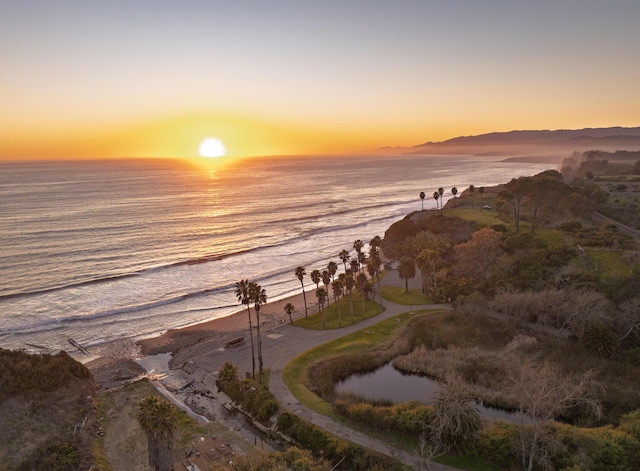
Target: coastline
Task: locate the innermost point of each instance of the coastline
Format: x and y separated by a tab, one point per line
220	330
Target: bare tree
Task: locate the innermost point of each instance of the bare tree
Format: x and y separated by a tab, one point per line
543	392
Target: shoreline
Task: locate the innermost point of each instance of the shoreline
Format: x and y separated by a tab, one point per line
221	329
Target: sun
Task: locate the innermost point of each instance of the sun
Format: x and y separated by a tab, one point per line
211	147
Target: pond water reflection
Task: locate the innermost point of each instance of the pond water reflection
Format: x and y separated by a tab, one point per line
387	383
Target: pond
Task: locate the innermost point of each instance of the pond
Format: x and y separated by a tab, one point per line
387	383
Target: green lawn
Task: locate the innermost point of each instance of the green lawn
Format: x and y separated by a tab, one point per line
397	295
608	263
335	318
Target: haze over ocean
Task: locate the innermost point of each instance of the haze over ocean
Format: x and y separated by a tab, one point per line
105	250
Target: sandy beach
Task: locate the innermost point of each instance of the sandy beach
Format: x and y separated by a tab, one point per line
219	331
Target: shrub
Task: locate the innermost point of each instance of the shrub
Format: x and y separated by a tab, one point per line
495	443
572	227
600	340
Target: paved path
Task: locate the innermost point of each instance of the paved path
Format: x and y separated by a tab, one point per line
285	342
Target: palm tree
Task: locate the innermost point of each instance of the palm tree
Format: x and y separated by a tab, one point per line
300	272
481	191
316	276
321	294
436	195
332	268
337	292
373	268
349	283
441	192
289	308
244	296
406	270
355	266
158	419
344	256
454	191
258	296
362	260
357	245
422	195
376	242
362	281
471	190
326	279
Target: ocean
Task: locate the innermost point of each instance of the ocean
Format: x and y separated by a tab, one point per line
104	250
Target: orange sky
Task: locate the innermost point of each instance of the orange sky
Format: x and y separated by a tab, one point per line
84	80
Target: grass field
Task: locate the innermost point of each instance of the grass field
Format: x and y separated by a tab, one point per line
339	314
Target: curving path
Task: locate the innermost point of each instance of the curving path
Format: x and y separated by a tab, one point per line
286	342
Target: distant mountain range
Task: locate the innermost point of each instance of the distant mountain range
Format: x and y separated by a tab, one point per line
531	143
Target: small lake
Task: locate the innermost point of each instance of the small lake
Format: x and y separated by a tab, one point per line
387	383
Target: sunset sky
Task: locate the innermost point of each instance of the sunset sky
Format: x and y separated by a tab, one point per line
154	77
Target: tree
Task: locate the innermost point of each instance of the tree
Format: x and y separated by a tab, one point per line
375	242
456	420
471	190
357	245
316	277
454	191
512	196
300	273
362	260
543	392
158	420
244	296
355	266
628	320
440	192
431	251
258	296
332	268
422	195
326	279
321	294
436	195
481	191
373	267
289	308
362	281
406	270
337	292
349	283
344	257
477	257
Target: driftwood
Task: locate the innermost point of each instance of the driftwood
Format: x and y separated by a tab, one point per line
79	347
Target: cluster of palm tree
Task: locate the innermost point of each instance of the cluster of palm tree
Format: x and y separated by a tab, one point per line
437	195
250	292
354	276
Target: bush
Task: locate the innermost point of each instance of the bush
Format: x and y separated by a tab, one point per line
572	227
333	449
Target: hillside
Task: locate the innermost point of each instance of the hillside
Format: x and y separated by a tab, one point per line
47	411
532	142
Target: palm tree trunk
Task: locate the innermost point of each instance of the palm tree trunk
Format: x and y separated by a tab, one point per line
351	302
253	354
260	365
304	296
339	313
